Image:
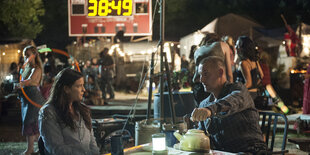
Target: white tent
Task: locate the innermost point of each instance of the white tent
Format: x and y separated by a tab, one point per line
305	39
187	41
229	24
233	25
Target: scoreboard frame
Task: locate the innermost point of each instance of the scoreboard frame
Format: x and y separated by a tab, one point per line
139	23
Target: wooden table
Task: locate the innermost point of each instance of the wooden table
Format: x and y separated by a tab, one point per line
146	149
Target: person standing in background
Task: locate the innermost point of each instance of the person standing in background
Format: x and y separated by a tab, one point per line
94	71
13	70
184	62
106	72
249	71
231	43
87	68
191	64
31	80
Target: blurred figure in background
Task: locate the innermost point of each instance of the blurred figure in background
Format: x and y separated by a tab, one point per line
94	71
264	62
48	79
14	72
20	62
87	68
106	72
31	79
231	43
184	62
191	64
93	93
249	72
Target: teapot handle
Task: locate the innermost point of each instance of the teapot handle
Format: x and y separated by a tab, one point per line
207	125
189	124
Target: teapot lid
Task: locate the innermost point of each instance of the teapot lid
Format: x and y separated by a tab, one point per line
195	131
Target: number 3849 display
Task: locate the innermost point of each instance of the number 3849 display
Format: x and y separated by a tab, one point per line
109	7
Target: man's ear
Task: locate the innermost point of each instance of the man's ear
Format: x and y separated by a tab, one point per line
221	72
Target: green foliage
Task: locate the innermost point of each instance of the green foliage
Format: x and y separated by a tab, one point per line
21	17
180	79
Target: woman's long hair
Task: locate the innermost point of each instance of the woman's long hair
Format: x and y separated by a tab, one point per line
37	59
247	49
60	100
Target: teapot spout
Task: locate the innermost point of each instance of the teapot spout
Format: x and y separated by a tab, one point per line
178	135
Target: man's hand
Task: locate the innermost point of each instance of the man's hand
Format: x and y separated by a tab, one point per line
200	114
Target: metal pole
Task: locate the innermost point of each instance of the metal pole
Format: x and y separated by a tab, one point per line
162	41
150	88
170	96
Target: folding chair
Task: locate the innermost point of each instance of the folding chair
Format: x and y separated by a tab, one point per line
272	123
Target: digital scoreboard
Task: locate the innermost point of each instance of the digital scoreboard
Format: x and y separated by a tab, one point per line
107	17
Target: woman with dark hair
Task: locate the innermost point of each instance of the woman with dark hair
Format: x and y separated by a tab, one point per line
64	122
249	71
31	78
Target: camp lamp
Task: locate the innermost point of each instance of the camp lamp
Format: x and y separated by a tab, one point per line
159	144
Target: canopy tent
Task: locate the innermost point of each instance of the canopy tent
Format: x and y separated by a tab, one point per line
275	37
305	39
187	41
305	29
233	25
229	24
272	37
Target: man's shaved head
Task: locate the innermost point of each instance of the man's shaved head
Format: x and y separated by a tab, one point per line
213	62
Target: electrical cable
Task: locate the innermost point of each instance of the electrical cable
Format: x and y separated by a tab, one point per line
142	80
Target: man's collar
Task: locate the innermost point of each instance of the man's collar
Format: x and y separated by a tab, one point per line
222	92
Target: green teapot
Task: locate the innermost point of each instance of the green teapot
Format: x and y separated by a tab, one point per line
194	140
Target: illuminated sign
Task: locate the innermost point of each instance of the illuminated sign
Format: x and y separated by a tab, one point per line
107	17
108	8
